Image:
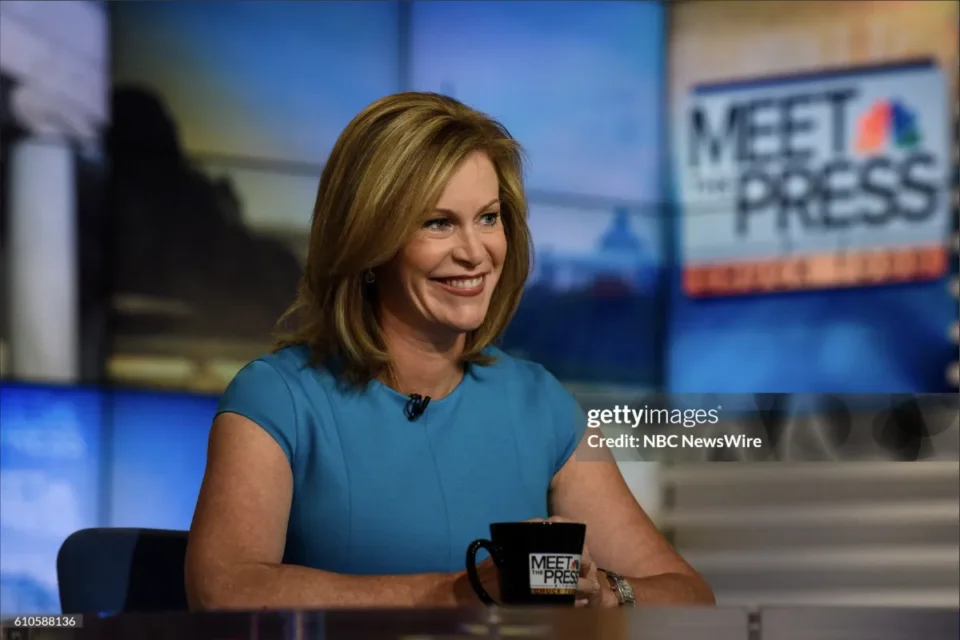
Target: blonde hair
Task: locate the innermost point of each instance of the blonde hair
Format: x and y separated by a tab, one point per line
386	173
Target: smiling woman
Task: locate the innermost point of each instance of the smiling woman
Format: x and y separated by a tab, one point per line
318	491
419	190
445	276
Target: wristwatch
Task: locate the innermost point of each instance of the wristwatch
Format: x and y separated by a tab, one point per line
622	588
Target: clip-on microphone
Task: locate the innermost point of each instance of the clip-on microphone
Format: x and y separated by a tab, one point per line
415	406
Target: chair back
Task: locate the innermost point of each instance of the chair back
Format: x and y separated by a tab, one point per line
109	571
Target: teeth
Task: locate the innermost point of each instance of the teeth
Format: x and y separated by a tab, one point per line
464	283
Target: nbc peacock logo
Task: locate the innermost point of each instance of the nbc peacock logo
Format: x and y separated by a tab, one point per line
887	124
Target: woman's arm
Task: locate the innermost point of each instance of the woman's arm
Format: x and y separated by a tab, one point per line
620	536
252	586
239	530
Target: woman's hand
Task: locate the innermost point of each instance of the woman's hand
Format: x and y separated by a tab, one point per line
590	592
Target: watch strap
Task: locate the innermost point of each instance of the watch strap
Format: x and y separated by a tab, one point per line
621	587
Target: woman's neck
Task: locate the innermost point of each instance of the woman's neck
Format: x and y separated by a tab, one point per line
421	364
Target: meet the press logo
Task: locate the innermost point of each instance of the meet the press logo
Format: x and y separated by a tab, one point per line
554	573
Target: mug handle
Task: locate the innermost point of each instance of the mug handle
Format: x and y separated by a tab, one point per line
472	574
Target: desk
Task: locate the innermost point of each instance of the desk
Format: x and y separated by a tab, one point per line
419	624
855	623
642	623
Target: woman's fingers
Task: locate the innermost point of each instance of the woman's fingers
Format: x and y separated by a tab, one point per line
587	588
589	593
587	568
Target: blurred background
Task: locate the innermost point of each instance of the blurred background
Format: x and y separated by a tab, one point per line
158	166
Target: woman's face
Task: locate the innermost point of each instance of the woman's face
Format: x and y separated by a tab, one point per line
442	280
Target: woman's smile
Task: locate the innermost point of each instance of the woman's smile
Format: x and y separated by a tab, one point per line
462	286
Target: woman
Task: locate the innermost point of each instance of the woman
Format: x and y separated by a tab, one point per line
326	485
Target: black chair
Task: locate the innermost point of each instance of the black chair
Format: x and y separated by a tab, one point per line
109	571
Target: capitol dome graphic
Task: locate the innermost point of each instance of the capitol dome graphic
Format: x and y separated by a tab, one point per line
620	261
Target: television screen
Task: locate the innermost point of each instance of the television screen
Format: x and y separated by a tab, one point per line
814	203
159	449
54	67
53	107
580	85
218	146
50	485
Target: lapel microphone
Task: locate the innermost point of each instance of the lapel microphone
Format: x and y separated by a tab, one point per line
415	406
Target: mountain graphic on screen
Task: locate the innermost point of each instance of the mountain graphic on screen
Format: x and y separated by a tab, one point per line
887	122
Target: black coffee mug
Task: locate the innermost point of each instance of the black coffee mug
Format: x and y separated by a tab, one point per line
538	562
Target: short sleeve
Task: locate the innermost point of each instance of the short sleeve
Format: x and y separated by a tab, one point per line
569	423
260	394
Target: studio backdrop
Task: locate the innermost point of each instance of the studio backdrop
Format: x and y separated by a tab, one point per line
219	143
53	107
813	167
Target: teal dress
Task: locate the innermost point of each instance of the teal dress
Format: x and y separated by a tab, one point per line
376	494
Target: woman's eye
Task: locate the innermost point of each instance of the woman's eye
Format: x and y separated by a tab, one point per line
489	219
437	224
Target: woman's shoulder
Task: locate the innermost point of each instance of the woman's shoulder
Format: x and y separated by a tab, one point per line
291	367
525	376
291	360
276	391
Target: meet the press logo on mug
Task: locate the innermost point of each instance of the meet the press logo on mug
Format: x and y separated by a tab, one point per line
554	573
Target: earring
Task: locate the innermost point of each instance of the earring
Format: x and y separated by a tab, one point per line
369	276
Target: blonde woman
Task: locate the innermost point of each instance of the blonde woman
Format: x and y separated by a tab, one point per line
353	466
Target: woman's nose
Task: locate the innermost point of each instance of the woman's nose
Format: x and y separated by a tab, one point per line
469	249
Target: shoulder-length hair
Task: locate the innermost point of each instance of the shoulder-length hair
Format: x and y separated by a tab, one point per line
384	177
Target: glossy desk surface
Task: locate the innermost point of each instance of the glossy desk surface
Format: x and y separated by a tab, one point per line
556	624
